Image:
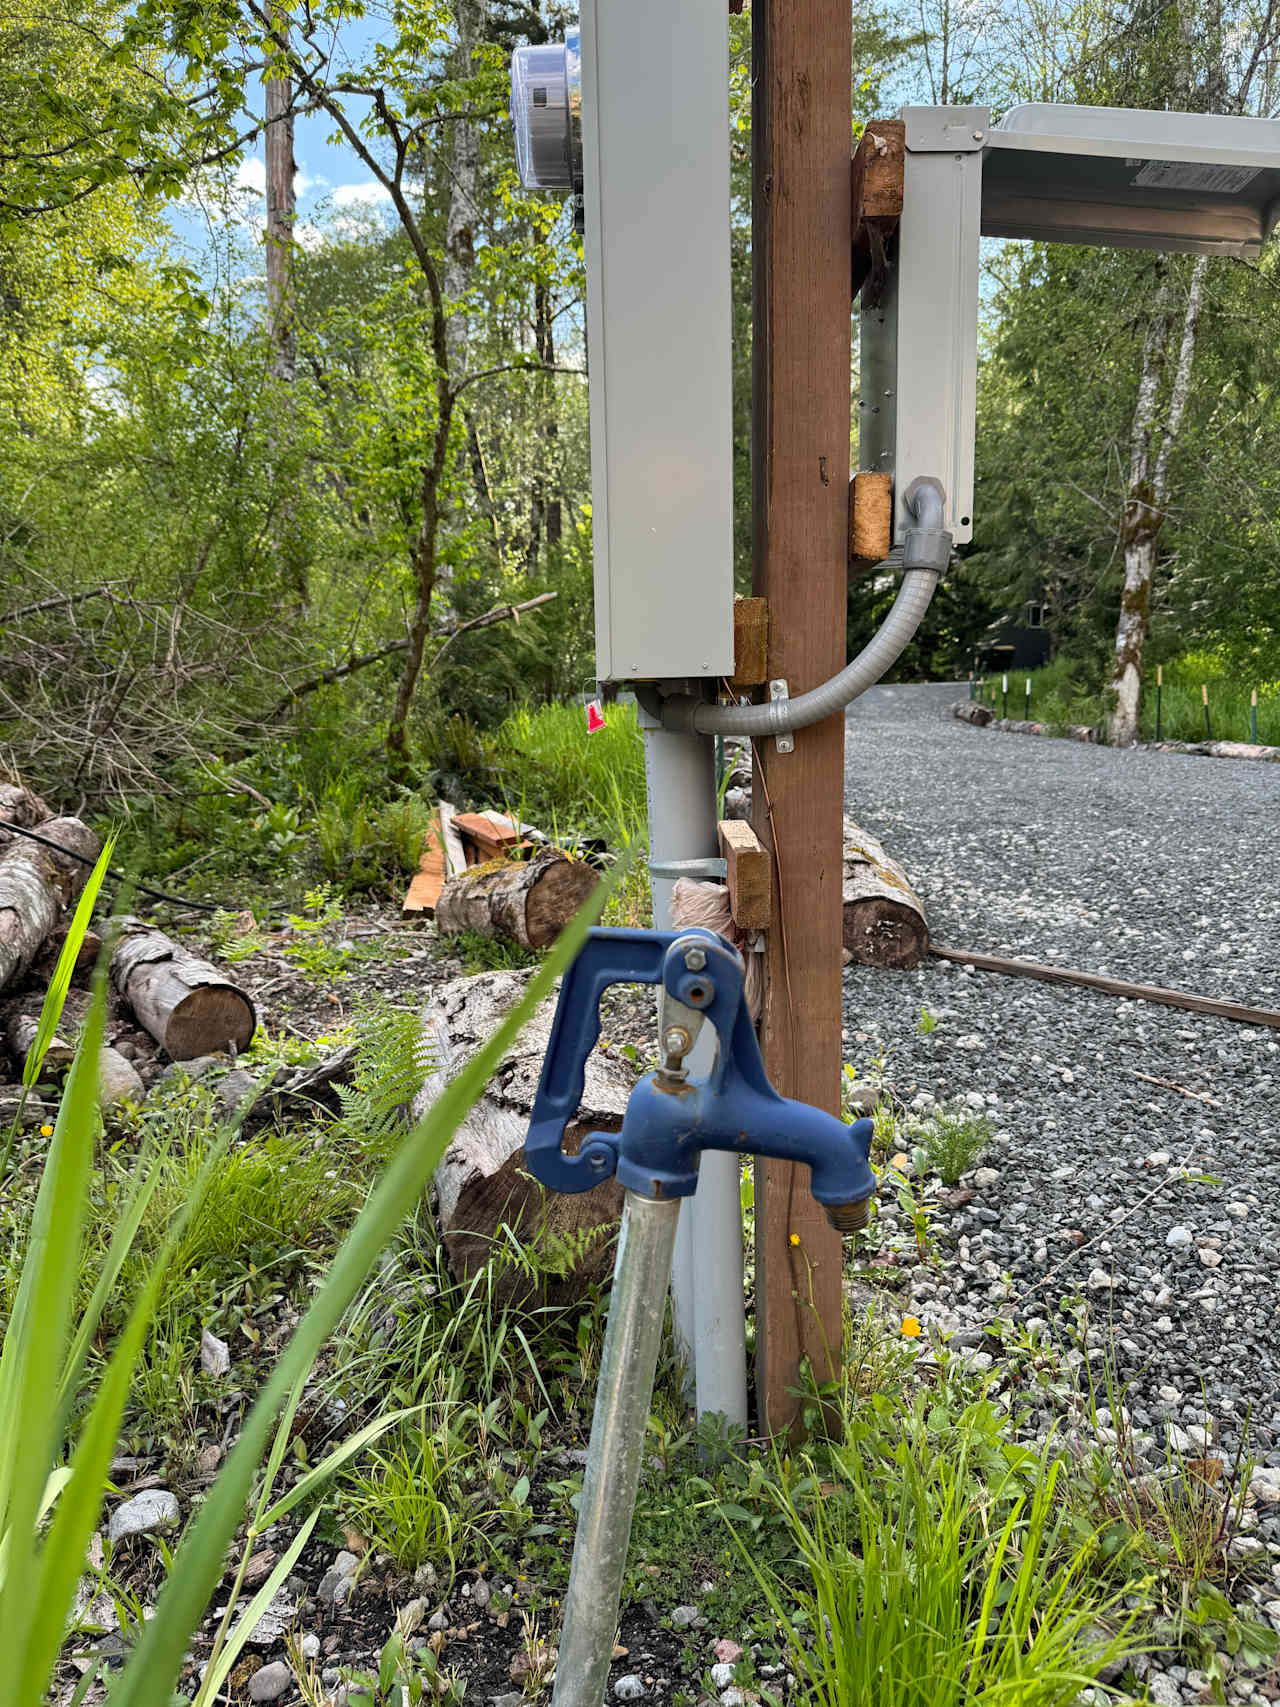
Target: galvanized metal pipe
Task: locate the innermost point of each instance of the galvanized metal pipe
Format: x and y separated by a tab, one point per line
637	1306
707	1305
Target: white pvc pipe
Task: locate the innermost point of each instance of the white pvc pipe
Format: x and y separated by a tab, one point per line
707	1303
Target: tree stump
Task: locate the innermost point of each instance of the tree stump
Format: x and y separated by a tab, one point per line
36	883
528	901
481	1184
884	922
186	1004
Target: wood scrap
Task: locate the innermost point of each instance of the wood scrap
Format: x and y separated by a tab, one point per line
186	1004
528	901
748	874
481	1185
883	919
36	883
876	190
487	835
1109	986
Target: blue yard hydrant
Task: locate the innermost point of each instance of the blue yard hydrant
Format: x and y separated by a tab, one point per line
670	1119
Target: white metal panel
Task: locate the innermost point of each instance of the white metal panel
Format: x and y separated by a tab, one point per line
919	349
655	131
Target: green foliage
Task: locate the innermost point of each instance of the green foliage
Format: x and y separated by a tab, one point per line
952	1141
1064	692
938	1569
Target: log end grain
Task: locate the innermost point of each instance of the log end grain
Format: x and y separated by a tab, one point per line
555	898
885	934
210	1018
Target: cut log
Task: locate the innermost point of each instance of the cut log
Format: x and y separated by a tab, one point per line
36	883
18	805
187	1005
528	901
884	923
973	711
21	1034
481	1185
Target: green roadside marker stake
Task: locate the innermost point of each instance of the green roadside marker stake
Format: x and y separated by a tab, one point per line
1204	700
1159	695
1004	696
1253	717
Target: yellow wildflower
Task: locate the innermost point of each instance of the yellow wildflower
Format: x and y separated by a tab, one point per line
795	1238
46	1131
910	1328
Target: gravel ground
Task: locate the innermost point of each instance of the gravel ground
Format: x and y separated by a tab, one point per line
1151	867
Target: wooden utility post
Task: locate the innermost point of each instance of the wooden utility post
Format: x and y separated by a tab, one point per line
801	57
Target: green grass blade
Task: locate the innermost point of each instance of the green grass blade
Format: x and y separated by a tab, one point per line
56	995
331	1463
154	1665
122	1238
218	1673
61	1559
39	1328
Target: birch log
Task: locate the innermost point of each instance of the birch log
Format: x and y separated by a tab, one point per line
530	901
884	923
481	1184
21	1034
187	1005
36	883
18	805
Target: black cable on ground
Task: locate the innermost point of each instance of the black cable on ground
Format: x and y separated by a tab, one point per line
118	876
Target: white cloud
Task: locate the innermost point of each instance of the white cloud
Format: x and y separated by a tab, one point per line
359	195
251	175
304	183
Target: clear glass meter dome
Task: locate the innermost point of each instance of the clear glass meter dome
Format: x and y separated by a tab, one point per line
546	115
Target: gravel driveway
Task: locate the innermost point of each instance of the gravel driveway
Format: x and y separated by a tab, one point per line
1152	867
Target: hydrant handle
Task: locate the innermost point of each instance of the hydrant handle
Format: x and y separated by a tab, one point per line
607	957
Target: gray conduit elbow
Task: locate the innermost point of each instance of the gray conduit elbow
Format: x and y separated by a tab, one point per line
926	552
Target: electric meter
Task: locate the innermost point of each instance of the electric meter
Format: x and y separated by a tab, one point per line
546	115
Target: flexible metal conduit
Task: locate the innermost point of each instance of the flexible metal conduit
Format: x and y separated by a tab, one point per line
926	552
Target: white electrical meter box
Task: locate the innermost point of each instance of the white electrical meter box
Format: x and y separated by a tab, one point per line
655	146
632	114
1195	182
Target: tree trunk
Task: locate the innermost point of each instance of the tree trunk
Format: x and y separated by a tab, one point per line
36	883
1144	510
281	212
528	901
186	1004
481	1184
884	923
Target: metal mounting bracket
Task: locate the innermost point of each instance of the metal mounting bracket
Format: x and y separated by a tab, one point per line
785	743
674	868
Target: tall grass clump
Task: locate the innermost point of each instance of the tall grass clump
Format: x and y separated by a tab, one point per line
1066	691
939	1568
562	778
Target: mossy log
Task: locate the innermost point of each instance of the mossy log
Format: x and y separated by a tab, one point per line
527	901
884	922
481	1186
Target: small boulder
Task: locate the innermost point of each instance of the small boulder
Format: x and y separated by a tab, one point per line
147	1513
269	1682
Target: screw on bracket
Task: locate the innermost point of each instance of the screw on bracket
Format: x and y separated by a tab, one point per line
786	742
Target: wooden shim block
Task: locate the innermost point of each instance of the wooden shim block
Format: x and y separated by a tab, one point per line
875	188
870	519
487	835
750	643
749	875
